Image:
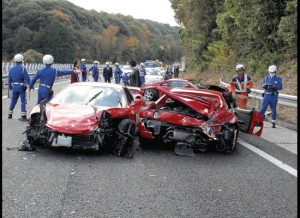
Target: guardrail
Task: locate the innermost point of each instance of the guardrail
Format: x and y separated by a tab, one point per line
287	100
33	67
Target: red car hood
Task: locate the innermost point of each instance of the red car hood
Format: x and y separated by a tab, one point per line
206	107
72	119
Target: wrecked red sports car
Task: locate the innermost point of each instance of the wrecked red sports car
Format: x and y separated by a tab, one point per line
152	94
195	119
89	116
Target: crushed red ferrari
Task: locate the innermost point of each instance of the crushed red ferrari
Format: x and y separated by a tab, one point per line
152	94
195	120
87	116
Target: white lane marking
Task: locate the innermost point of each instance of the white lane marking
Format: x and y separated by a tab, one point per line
270	158
38	88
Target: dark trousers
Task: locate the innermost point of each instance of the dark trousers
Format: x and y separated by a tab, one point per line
107	79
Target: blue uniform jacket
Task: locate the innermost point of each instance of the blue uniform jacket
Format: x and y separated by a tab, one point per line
143	71
82	67
47	75
275	80
118	72
18	74
95	71
125	78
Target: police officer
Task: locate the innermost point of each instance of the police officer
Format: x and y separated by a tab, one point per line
271	84
83	70
95	71
240	86
17	76
142	73
125	79
117	74
47	76
107	73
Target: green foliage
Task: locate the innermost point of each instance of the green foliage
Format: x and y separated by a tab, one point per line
218	34
32	56
67	31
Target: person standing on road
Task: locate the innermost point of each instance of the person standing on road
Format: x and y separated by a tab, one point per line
76	77
17	76
142	73
83	70
134	78
117	74
240	86
176	71
271	85
107	73
47	76
169	72
125	79
95	71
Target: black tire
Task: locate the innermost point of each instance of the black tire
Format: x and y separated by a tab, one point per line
231	145
151	95
127	128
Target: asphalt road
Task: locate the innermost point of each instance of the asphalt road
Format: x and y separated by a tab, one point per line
155	183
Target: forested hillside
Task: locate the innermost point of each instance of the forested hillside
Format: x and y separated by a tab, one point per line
218	34
67	31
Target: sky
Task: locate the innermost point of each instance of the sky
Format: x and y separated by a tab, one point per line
155	10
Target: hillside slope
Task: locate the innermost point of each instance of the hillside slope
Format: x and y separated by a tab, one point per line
288	73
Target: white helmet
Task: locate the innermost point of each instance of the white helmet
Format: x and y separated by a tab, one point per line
272	69
82	60
48	59
240	67
18	58
95	62
142	64
117	64
107	63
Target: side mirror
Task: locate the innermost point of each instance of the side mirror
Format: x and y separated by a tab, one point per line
151	105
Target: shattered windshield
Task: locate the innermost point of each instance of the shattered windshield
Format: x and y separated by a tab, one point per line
90	95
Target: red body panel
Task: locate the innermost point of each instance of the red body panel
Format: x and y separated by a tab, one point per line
164	85
256	120
80	119
214	107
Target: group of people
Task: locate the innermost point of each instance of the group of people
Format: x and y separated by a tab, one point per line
81	74
240	84
135	79
18	78
172	71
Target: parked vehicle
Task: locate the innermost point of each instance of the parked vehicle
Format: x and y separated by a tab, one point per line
153	75
152	94
195	120
87	115
126	69
152	64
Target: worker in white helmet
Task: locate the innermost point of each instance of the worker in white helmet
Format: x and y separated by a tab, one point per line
17	79
47	76
83	70
95	71
240	86
271	85
117	74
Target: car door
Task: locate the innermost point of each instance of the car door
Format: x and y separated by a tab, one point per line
250	121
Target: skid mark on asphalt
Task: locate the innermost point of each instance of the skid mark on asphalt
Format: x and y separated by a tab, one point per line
269	158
